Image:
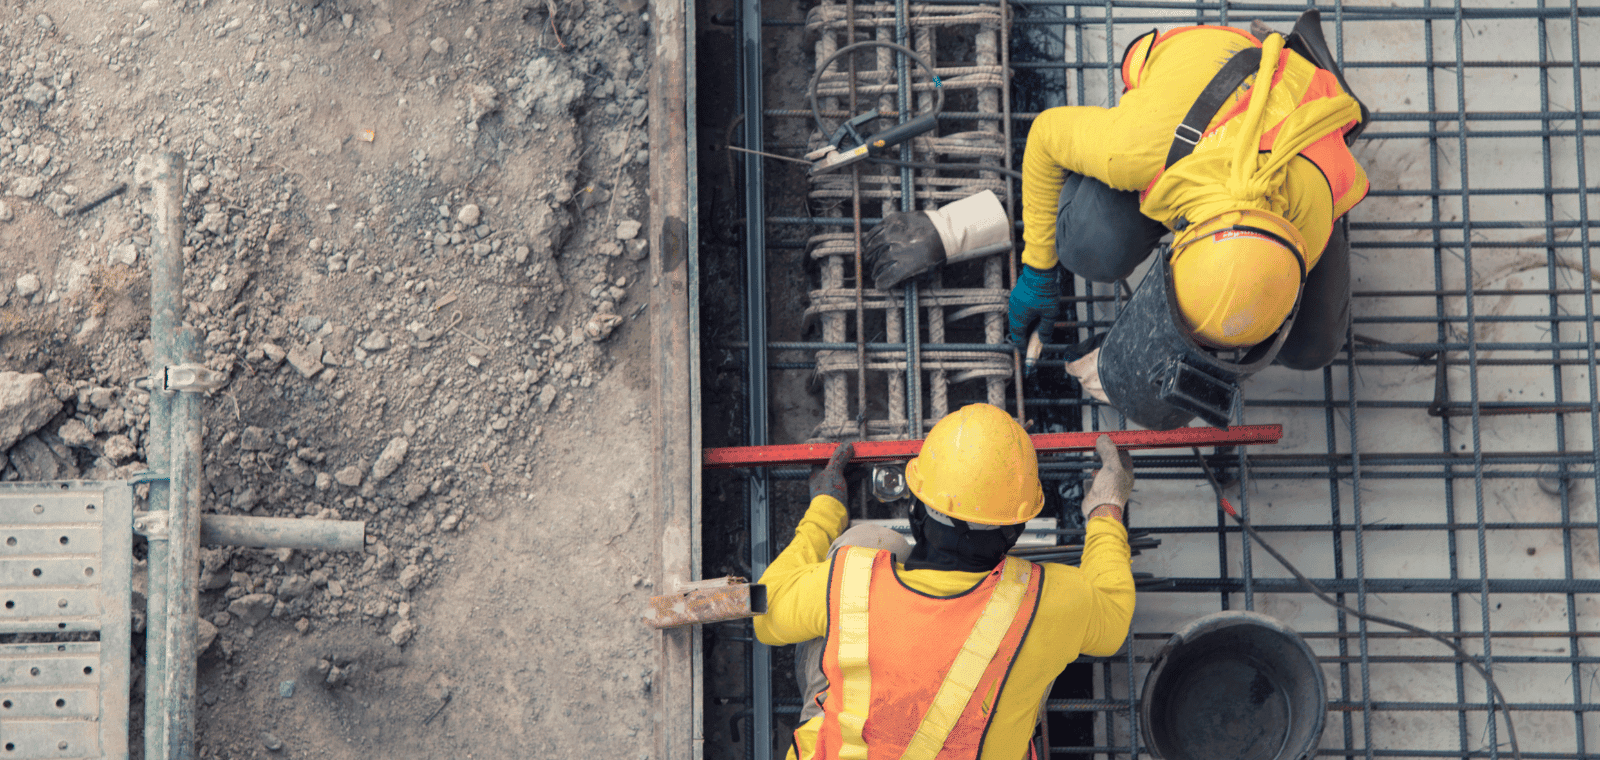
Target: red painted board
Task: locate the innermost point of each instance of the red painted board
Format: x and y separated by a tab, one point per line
1045	443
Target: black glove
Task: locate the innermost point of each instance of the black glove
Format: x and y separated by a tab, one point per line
902	246
829	481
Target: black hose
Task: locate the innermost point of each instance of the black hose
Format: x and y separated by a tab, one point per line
1505	706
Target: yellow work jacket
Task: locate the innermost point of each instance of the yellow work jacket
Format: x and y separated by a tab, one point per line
1126	146
1085	609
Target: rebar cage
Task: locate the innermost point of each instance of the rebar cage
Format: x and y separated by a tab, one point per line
1443	471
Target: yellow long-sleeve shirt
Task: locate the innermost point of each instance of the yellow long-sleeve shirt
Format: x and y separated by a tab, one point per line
1084	609
1127	145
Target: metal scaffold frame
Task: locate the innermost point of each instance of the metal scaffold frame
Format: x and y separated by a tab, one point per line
67	697
1466	387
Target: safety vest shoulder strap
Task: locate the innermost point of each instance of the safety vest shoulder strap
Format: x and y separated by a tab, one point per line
855	693
1008	599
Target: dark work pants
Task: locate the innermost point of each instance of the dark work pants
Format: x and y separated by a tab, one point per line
1102	236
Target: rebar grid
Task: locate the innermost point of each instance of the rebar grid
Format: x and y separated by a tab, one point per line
1443	471
1472	338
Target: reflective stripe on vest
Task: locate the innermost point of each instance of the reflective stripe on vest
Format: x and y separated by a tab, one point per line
1346	182
856	691
926	695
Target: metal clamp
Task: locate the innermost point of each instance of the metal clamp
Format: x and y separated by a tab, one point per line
153	525
193	378
1177	134
147	476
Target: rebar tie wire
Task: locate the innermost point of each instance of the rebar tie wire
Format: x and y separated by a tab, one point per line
1244	523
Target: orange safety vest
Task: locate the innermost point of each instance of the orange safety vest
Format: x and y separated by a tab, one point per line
1330	154
911	675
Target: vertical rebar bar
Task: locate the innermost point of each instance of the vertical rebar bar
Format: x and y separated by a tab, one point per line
756	356
907	203
1332	437
1361	548
1581	165
1469	300
994	325
860	270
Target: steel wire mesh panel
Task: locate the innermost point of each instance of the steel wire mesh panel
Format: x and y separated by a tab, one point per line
1443	470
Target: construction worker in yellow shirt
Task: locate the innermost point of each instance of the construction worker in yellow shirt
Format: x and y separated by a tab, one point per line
946	648
1239	147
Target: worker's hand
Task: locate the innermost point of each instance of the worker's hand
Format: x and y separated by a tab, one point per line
1087	372
905	245
1113	482
1035	304
829	481
901	247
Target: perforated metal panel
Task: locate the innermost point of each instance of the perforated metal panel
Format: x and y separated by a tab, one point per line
66	554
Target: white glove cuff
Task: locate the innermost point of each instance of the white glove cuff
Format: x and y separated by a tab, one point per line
973	226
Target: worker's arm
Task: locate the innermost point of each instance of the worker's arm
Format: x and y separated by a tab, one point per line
1108	610
1123	147
797	581
1058	143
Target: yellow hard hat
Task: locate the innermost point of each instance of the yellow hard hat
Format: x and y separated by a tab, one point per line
1134	57
1237	275
978	465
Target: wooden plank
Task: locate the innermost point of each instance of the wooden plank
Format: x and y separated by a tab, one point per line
680	733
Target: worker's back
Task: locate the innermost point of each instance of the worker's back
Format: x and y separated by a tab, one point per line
1083	610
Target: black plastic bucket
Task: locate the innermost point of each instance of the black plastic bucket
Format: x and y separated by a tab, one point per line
1234	686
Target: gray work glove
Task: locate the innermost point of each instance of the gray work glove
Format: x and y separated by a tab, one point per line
1113	482
906	244
829	481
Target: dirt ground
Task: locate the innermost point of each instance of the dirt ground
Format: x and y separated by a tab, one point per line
413	240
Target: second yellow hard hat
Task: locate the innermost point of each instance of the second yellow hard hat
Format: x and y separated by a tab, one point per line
1237	275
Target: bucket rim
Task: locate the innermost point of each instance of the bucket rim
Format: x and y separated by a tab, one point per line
1217	621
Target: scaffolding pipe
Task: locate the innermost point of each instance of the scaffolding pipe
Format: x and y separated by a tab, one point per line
280	533
174	452
180	629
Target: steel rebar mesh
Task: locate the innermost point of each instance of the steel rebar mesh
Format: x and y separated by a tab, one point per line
1443	471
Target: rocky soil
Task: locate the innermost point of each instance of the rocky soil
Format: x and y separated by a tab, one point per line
413	247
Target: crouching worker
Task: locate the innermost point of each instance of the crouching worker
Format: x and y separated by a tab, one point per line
945	649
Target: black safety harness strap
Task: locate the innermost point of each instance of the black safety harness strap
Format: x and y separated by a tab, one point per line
1233	73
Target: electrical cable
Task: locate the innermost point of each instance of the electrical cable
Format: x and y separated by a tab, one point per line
1226	506
816	79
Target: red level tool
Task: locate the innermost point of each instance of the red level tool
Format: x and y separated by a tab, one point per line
1044	443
